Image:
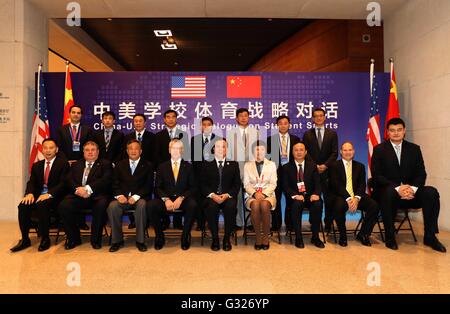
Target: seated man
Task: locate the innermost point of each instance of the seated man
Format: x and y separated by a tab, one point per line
132	187
89	184
220	185
175	190
348	193
301	185
399	178
44	191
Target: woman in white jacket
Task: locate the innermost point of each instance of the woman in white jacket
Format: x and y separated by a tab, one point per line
260	181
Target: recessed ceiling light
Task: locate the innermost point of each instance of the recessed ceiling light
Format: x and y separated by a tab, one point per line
110	19
167	46
163	33
175	63
138	55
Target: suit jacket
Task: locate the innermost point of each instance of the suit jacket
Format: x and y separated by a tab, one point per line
139	183
162	145
338	179
274	149
114	153
197	149
99	178
329	151
165	181
268	178
311	179
387	172
64	141
231	178
56	178
148	145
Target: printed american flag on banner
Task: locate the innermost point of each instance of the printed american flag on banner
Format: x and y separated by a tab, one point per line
41	129
188	87
373	130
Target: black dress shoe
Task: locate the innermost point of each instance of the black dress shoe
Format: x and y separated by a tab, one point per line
265	247
159	242
343	241
299	243
317	242
185	242
96	245
226	245
141	247
116	246
44	245
392	244
215	246
132	225
23	244
237	227
365	240
71	245
258	247
434	244
84	227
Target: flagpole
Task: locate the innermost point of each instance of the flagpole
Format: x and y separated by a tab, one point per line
372	68
391	60
38	88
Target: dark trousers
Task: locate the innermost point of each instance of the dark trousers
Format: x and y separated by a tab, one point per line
156	209
366	204
70	209
315	215
426	197
200	213
43	210
229	209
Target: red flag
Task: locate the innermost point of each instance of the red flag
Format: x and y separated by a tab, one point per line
393	111
68	96
243	86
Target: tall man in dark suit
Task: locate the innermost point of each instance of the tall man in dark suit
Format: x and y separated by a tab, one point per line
322	147
348	193
109	140
220	185
301	185
89	184
44	191
202	149
132	188
175	190
399	174
279	148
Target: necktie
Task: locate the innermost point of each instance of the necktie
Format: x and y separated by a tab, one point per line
175	170
171	134
46	173
107	138
86	173
300	173
74	132
319	137
349	184
139	138
133	167
206	140
283	146
245	141
219	188
398	152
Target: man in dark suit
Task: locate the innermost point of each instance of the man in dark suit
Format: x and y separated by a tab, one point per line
399	178
45	188
202	149
163	138
301	185
89	184
175	190
322	147
348	193
109	140
132	188
220	185
279	148
72	136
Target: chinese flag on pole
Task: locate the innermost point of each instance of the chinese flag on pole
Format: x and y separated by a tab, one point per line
243	86
393	111
68	96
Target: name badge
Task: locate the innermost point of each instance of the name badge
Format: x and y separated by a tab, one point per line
258	187
301	187
284	160
44	190
76	146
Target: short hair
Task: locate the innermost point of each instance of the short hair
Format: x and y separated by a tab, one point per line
109	113
140	115
241	110
170	111
221	140
175	141
259	143
318	109
208	119
50	140
395	121
133	140
300	142
90	143
76	106
283	117
348	142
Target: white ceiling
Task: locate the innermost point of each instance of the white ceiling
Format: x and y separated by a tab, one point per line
311	9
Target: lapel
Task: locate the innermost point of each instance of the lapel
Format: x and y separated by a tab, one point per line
181	170
316	141
393	156
53	170
403	155
95	167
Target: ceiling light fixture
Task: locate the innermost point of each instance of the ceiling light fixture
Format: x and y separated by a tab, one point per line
163	33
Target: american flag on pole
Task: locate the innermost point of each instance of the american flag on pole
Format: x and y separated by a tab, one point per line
373	130
188	87
41	129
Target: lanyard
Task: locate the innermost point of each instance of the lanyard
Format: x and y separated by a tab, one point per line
77	138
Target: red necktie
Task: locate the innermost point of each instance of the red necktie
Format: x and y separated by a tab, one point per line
46	173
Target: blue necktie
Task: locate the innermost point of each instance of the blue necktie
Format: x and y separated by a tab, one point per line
133	167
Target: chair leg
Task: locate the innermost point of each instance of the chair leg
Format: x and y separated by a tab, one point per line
323	232
381	230
359	223
333	229
411	227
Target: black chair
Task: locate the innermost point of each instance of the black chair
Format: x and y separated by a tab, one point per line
88	212
205	233
290	233
357	228
56	225
248	233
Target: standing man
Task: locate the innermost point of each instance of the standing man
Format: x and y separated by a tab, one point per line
399	174
322	147
44	191
109	140
279	148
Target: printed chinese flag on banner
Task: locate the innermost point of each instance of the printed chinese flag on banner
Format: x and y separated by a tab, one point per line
68	96
393	110
243	86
